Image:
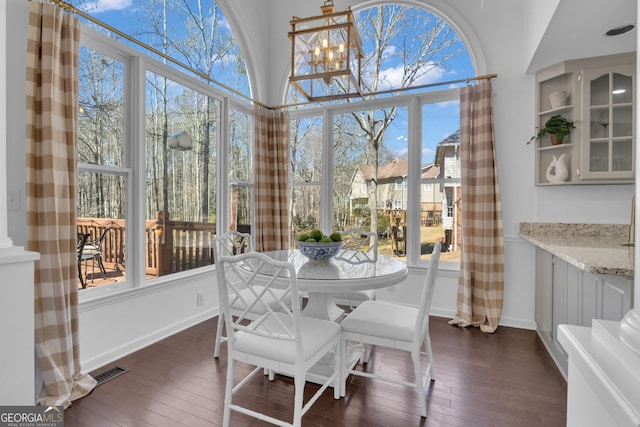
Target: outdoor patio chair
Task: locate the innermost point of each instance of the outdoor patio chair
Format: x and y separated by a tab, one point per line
81	241
93	252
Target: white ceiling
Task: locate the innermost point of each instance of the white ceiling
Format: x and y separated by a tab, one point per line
577	30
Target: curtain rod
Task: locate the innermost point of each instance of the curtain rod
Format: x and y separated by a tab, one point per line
467	80
403	89
72	9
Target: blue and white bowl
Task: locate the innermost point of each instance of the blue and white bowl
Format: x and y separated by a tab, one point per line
319	250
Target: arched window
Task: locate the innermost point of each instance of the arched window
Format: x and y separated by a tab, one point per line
199	37
366	151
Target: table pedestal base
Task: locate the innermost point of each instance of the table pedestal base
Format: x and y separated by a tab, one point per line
320	305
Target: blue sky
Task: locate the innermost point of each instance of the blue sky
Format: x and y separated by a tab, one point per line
442	119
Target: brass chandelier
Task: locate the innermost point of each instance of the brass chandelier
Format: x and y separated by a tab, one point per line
326	55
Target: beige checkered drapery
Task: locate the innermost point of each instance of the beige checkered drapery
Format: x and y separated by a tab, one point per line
481	280
271	180
51	122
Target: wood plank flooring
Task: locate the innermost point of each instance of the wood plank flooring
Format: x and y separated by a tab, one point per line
503	379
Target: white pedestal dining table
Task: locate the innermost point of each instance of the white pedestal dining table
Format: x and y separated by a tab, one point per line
340	273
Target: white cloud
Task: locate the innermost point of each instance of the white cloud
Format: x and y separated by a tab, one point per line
106	5
428	155
392	77
389	52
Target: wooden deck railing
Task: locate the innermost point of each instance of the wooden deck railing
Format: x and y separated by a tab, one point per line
172	246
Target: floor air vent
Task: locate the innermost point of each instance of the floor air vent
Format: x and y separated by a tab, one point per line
109	375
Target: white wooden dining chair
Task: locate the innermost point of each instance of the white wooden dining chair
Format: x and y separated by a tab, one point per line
231	243
280	339
358	246
392	325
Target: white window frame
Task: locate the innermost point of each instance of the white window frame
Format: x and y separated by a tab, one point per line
413	103
136	65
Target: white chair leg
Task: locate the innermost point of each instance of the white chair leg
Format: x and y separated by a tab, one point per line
338	360
429	353
366	352
343	367
417	372
299	382
226	417
216	351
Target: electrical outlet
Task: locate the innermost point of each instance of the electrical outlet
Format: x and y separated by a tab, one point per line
13	201
199	299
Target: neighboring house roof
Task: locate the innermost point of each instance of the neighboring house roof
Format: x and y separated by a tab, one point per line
430	171
398	168
452	140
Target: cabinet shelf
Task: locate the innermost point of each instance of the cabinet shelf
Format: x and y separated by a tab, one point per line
558	147
600	149
558	110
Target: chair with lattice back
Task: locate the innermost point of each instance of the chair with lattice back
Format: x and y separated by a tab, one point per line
397	326
231	243
358	246
279	339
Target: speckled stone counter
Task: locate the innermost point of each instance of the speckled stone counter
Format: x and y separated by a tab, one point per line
595	248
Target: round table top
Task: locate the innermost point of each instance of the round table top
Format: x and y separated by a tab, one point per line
343	272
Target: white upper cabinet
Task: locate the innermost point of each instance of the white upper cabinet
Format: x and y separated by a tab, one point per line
608	123
597	94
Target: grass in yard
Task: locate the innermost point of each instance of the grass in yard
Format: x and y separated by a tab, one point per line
427	235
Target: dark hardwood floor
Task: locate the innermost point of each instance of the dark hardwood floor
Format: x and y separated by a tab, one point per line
504	379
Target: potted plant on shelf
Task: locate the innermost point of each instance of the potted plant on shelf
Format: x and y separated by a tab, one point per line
557	127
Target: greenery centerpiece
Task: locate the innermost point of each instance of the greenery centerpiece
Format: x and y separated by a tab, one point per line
557	126
318	246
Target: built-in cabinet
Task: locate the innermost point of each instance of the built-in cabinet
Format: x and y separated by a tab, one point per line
597	95
566	294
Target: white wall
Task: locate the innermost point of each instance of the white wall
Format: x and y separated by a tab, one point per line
18	13
497	31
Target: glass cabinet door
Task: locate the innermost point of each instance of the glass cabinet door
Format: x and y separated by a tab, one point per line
608	126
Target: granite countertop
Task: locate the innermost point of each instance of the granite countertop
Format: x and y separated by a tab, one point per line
594	248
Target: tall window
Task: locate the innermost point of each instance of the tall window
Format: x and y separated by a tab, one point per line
306	172
240	171
383	168
181	145
150	138
103	171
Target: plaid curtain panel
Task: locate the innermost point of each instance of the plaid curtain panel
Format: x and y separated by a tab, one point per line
481	280
271	181
51	112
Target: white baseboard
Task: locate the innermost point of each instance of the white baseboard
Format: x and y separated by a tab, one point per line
114	354
504	321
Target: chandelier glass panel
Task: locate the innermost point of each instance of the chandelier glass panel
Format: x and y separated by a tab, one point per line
326	55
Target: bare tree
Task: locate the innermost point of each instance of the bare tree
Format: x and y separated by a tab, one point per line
206	45
385	29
